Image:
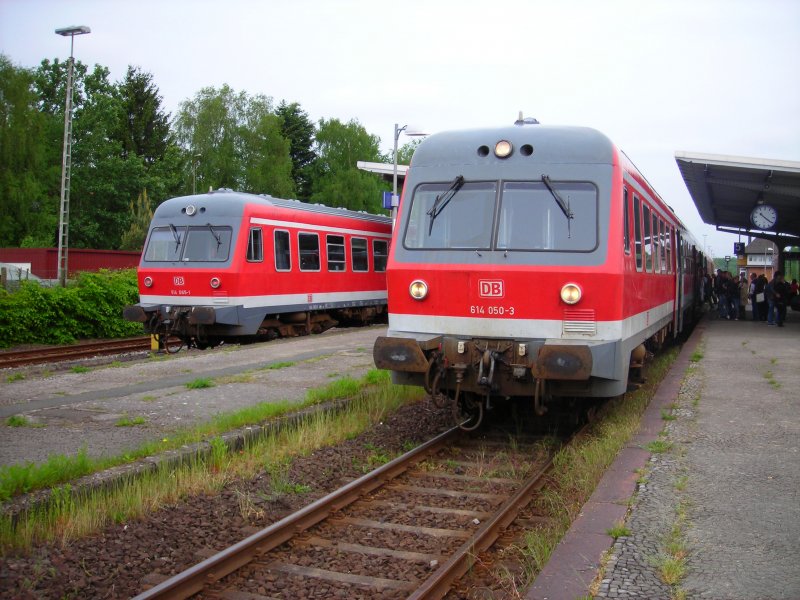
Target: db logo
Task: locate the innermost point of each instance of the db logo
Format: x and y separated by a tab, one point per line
491	288
178	281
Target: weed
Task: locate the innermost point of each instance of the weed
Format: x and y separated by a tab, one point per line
697	356
680	483
80	369
149	398
658	446
199	383
667	415
127	421
17	421
15	377
116	364
278	365
245	377
618	530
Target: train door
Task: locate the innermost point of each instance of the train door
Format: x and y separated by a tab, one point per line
679	267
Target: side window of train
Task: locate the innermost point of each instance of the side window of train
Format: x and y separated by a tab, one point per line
626	222
656	245
648	241
358	252
662	232
283	255
309	251
255	245
637	231
335	247
380	251
669	248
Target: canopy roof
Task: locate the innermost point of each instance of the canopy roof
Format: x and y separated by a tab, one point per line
726	189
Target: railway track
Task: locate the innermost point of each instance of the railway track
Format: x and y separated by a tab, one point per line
408	529
20	358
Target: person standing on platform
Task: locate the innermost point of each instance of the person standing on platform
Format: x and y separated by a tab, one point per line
743	293
732	291
776	298
761	286
721	288
752	293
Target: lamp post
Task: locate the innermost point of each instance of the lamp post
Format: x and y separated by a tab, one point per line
66	159
194	173
397	131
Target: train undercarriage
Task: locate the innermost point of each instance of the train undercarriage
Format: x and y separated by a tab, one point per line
200	327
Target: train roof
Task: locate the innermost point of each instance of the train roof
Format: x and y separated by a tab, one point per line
548	143
228	202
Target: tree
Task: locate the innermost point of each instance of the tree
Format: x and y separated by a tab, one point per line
338	181
141	213
144	127
238	140
27	204
299	130
406	152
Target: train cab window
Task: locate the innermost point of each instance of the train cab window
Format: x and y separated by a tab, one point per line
207	243
532	218
662	232
648	241
380	252
463	218
283	254
637	231
358	252
165	244
626	234
309	251
255	245
335	247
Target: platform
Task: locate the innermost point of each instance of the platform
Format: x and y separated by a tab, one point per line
730	482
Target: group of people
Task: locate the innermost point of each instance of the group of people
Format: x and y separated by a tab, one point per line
769	298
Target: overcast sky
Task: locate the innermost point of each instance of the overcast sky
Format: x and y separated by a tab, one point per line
656	76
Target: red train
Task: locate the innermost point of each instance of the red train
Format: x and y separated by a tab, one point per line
229	266
531	262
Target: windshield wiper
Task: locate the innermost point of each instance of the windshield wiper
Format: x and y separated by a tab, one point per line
176	236
443	199
214	233
563	205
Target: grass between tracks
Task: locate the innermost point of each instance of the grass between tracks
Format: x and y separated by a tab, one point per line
67	516
579	467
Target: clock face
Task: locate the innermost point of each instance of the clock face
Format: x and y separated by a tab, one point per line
764	216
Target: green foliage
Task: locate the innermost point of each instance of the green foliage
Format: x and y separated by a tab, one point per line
28	192
300	131
338	181
17	421
239	142
141	214
200	383
127	421
21	478
89	308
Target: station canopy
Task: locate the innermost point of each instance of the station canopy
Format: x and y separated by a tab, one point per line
726	190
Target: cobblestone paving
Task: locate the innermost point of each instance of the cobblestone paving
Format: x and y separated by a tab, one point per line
632	569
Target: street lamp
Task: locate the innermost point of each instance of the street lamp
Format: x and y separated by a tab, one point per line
397	131
66	159
194	173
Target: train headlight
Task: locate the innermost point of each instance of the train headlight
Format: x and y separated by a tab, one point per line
215	282
418	289
503	149
148	281
571	293
191	210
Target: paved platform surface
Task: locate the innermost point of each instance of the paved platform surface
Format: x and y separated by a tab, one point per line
70	410
728	489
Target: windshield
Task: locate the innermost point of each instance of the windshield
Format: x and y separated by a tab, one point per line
465	223
530	217
204	243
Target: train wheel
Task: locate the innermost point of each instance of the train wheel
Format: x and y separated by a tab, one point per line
171	343
468	412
